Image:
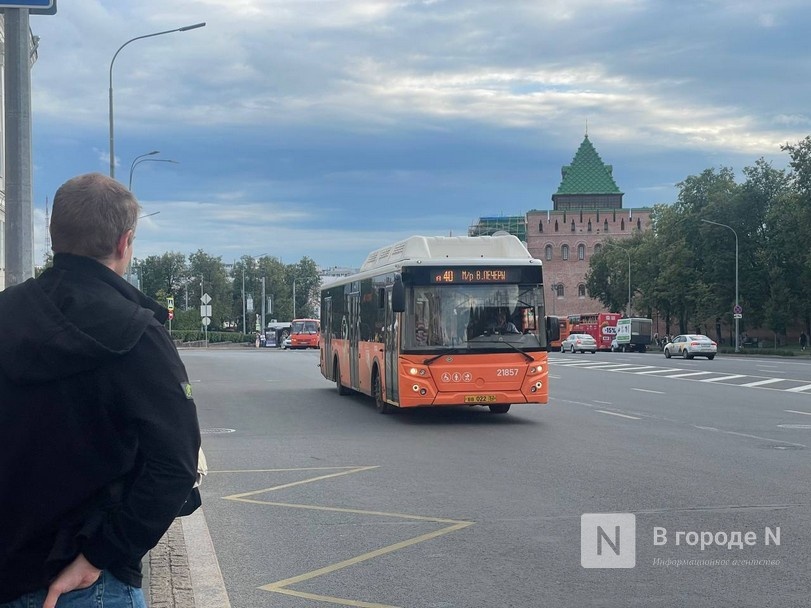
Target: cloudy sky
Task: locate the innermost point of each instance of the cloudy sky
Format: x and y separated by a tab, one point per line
327	128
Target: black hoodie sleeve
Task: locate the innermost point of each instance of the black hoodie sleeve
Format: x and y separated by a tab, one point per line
155	395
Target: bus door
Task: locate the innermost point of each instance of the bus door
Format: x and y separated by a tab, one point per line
391	350
353	302
326	334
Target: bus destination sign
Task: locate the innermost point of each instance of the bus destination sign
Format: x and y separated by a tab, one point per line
475	275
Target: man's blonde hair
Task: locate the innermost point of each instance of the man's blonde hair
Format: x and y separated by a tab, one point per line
90	213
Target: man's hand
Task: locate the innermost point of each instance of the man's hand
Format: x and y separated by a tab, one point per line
79	574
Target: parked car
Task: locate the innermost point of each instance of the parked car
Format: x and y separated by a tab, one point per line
287	342
691	345
579	342
615	347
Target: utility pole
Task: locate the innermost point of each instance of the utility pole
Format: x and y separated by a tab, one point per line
263	306
19	193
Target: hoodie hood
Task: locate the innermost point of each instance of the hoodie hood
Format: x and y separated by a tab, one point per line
76	316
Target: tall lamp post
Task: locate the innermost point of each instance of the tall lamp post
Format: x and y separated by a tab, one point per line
148	160
628	253
554	287
112	62
735	311
135	162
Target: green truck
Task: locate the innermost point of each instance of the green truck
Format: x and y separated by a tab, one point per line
633	334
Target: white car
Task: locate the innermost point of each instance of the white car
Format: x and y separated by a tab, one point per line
579	342
691	345
287	342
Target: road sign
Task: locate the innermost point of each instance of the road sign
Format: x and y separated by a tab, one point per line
737	310
205	298
28	4
205	310
170	304
171	315
35	7
206	321
737	316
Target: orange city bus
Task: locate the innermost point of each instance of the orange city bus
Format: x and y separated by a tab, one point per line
304	333
414	328
602	326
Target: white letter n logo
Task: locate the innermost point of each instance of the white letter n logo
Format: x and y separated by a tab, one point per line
617	531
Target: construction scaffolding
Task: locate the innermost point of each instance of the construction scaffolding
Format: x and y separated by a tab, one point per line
488	226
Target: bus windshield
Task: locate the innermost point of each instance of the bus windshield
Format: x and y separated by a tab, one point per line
306	326
478	317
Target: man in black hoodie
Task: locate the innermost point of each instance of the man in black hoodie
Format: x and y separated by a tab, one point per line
98	429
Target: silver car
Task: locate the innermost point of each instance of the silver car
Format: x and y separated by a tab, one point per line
691	345
579	342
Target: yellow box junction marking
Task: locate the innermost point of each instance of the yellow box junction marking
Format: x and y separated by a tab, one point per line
282	586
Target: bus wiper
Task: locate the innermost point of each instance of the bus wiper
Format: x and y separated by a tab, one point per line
449	351
514	347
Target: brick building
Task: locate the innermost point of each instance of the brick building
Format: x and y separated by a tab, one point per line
586	210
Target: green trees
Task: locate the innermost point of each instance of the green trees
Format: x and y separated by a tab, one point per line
684	269
172	274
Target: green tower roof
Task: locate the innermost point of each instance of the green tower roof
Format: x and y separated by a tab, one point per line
587	174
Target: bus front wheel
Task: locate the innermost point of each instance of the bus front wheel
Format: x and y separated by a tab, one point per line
380	403
499	409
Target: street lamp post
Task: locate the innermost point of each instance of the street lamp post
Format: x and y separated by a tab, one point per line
149	160
112	62
136	159
628	253
554	296
734	313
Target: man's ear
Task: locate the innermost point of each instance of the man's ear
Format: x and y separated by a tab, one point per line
124	241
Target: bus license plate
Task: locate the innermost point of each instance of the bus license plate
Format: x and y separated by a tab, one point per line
480	398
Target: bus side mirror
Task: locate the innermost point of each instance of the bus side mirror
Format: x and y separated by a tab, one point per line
552	329
398	294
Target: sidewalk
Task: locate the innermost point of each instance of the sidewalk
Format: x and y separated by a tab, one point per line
182	570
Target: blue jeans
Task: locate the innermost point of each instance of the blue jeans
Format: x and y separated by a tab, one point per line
107	592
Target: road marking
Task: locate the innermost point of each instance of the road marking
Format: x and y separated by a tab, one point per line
796	412
620	415
282	586
644	390
690	374
769	439
663	370
631	369
762	382
798	389
722	378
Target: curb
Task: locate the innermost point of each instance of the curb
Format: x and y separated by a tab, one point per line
182	570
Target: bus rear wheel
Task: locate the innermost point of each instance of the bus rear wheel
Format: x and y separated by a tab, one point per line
380	403
336	373
499	409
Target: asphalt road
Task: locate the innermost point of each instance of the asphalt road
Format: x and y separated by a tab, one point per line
315	498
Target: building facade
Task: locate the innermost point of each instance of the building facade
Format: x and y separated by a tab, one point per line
586	210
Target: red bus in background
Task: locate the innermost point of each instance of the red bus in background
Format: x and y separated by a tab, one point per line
602	326
304	333
565	330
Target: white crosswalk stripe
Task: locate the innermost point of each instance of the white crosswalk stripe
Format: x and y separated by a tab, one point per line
788	385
